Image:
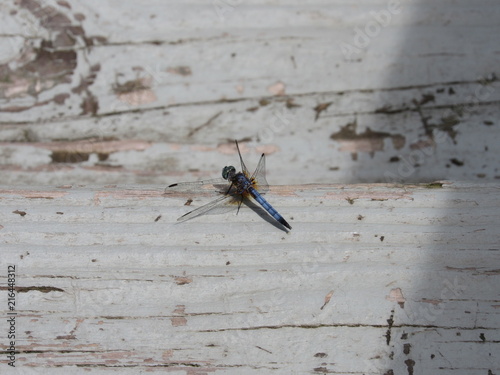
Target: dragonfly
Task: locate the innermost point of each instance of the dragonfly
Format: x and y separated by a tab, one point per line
235	187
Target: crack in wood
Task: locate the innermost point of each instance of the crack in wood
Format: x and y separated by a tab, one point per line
207	123
41	289
344	325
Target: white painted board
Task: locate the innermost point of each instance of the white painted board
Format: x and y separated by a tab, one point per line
372	279
101	92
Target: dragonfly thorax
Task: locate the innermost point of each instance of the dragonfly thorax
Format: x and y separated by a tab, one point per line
228	172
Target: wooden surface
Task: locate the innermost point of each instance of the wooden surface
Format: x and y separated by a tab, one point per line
99	92
372	279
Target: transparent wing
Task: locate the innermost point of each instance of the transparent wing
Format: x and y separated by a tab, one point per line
222	204
259	176
243	166
199	186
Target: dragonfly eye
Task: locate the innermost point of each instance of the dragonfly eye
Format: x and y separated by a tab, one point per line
227	171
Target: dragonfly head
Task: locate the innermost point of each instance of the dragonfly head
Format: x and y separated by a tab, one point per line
227	172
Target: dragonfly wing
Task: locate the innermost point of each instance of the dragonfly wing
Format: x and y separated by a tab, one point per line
219	205
259	176
243	166
196	186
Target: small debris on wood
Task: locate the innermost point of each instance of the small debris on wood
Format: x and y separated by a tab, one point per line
327	299
434	185
320	108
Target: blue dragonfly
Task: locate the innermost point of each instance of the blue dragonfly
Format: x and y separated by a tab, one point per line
234	187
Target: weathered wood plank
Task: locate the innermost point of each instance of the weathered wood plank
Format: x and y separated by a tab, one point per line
106	92
372	278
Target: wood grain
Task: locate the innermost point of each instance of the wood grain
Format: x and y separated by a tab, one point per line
373	279
101	92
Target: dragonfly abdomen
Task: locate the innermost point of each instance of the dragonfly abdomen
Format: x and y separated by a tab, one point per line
259	198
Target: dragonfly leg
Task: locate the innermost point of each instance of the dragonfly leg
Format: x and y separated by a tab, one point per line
239	205
229	189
